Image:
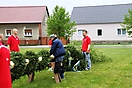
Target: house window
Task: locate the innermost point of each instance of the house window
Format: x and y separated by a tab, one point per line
28	32
80	32
121	31
99	32
8	32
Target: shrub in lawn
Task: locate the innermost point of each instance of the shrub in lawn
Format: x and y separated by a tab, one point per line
45	60
19	65
66	61
76	55
33	62
32	65
97	56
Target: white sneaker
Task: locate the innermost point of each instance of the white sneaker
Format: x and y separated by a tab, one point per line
86	68
50	69
53	78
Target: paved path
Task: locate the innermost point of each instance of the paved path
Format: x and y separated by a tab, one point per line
96	46
113	46
39	46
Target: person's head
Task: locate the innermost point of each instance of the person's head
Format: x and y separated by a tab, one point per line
52	36
15	31
85	33
55	34
1	36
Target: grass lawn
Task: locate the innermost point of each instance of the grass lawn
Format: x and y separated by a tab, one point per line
23	50
115	74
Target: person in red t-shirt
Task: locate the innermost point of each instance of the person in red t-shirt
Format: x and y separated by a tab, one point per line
50	42
13	41
5	75
86	49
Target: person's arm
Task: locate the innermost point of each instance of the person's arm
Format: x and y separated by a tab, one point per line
89	42
8	42
8	47
53	47
89	47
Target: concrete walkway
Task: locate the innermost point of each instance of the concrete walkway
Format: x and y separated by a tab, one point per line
113	46
96	46
39	46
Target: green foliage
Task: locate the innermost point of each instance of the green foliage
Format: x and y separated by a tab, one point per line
76	55
127	23
97	56
19	65
73	55
45	59
59	23
33	62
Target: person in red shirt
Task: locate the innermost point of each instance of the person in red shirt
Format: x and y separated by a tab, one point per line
50	42
13	41
86	49
5	75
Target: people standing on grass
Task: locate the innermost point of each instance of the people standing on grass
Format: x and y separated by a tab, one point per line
86	41
13	41
57	53
5	75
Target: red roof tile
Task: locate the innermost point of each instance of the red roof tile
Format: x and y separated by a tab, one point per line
22	14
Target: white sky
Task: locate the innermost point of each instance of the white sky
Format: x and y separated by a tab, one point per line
68	4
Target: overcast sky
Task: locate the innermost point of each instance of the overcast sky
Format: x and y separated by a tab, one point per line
68	4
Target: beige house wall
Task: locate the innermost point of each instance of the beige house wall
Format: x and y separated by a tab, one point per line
44	25
20	28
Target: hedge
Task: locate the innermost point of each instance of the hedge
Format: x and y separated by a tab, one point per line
30	62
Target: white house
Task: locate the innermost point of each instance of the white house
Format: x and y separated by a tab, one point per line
102	22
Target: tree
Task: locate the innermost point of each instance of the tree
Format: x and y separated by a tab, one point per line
59	22
127	23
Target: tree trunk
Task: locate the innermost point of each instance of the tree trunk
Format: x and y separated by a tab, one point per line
31	77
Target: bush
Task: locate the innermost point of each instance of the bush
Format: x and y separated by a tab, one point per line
19	65
97	56
33	62
45	60
29	62
76	55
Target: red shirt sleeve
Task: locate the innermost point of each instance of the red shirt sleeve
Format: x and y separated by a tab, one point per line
50	42
8	56
9	41
18	41
89	40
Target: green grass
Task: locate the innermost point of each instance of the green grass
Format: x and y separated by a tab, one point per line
23	50
115	74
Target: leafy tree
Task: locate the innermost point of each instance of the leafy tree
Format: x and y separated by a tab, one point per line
127	23
59	23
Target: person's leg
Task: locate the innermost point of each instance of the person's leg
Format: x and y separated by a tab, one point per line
61	71
88	61
59	77
85	59
60	59
52	65
56	72
56	77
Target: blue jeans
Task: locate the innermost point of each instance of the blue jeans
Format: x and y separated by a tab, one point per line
59	59
87	59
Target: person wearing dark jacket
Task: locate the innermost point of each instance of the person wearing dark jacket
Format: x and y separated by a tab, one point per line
57	53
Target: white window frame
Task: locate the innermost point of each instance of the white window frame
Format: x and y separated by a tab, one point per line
6	32
25	34
97	32
121	32
81	29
